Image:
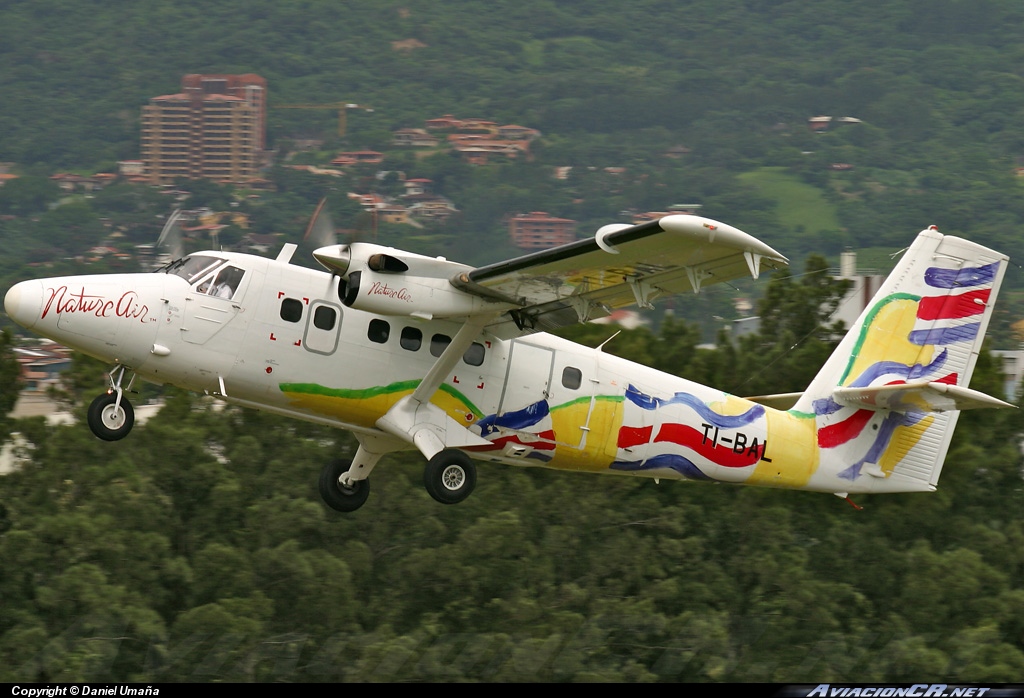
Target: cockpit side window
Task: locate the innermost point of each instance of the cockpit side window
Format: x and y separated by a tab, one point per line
223	284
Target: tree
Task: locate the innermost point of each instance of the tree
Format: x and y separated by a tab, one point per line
26	195
10	373
795	337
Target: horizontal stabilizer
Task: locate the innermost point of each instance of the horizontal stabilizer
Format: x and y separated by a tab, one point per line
921	396
778	401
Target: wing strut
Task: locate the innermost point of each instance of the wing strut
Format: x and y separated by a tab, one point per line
416	420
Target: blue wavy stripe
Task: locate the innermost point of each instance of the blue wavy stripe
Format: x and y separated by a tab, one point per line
648	402
520	419
825	406
895	368
945	335
882	439
669	461
958	278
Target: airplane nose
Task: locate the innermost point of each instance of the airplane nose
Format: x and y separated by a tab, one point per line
23	302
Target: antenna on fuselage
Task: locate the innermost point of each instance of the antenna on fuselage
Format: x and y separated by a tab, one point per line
600	347
285	255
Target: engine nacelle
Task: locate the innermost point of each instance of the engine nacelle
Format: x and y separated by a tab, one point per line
387	281
417	296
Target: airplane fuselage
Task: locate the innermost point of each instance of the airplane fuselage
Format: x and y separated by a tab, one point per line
284	342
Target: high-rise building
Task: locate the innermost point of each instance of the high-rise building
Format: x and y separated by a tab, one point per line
215	128
539	231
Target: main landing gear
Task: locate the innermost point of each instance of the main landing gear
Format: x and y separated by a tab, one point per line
449	478
110	415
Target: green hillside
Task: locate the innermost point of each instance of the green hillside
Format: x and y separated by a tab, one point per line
800	207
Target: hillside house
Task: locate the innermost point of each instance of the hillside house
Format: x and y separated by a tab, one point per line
413	138
513	132
437	208
444	123
358	157
418	186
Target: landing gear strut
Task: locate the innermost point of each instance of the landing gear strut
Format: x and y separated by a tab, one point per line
338	496
450	476
110	415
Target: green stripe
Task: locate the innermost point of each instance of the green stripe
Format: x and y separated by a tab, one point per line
867	326
801	415
376	391
348	393
463	399
599	398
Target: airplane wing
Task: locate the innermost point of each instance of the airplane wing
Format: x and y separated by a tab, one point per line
620	266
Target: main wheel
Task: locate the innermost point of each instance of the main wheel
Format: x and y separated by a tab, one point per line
340	497
108	420
450	476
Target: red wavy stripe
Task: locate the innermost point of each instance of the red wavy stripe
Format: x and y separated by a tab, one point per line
737	450
952	307
547	444
950	379
841	432
634	436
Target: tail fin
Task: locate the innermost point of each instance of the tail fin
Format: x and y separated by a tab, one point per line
886	401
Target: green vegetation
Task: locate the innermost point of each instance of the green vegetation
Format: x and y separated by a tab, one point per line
800	207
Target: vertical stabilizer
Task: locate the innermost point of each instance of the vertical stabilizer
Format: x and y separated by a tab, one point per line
925	326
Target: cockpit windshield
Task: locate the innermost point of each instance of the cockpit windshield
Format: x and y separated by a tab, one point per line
190	268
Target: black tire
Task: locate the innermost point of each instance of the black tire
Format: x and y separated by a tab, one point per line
337	497
110	422
450	476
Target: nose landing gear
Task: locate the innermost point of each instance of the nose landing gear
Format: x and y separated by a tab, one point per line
110	415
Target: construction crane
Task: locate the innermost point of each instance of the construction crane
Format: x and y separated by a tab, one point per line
342	108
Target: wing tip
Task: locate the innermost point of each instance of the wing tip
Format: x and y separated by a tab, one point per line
714	231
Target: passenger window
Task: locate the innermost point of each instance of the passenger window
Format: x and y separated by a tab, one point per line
572	378
379	331
324	317
438	343
412	338
474	356
291	310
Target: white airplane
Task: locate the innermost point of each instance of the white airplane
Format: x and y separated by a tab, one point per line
417	353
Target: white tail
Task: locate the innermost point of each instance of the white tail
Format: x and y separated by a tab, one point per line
886	401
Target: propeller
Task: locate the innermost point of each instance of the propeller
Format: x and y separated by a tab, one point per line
320	232
170	236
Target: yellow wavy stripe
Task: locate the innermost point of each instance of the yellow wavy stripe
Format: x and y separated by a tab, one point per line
793	450
365	411
903	441
887	339
600	447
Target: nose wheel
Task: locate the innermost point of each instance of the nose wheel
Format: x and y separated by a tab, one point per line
336	493
111	416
